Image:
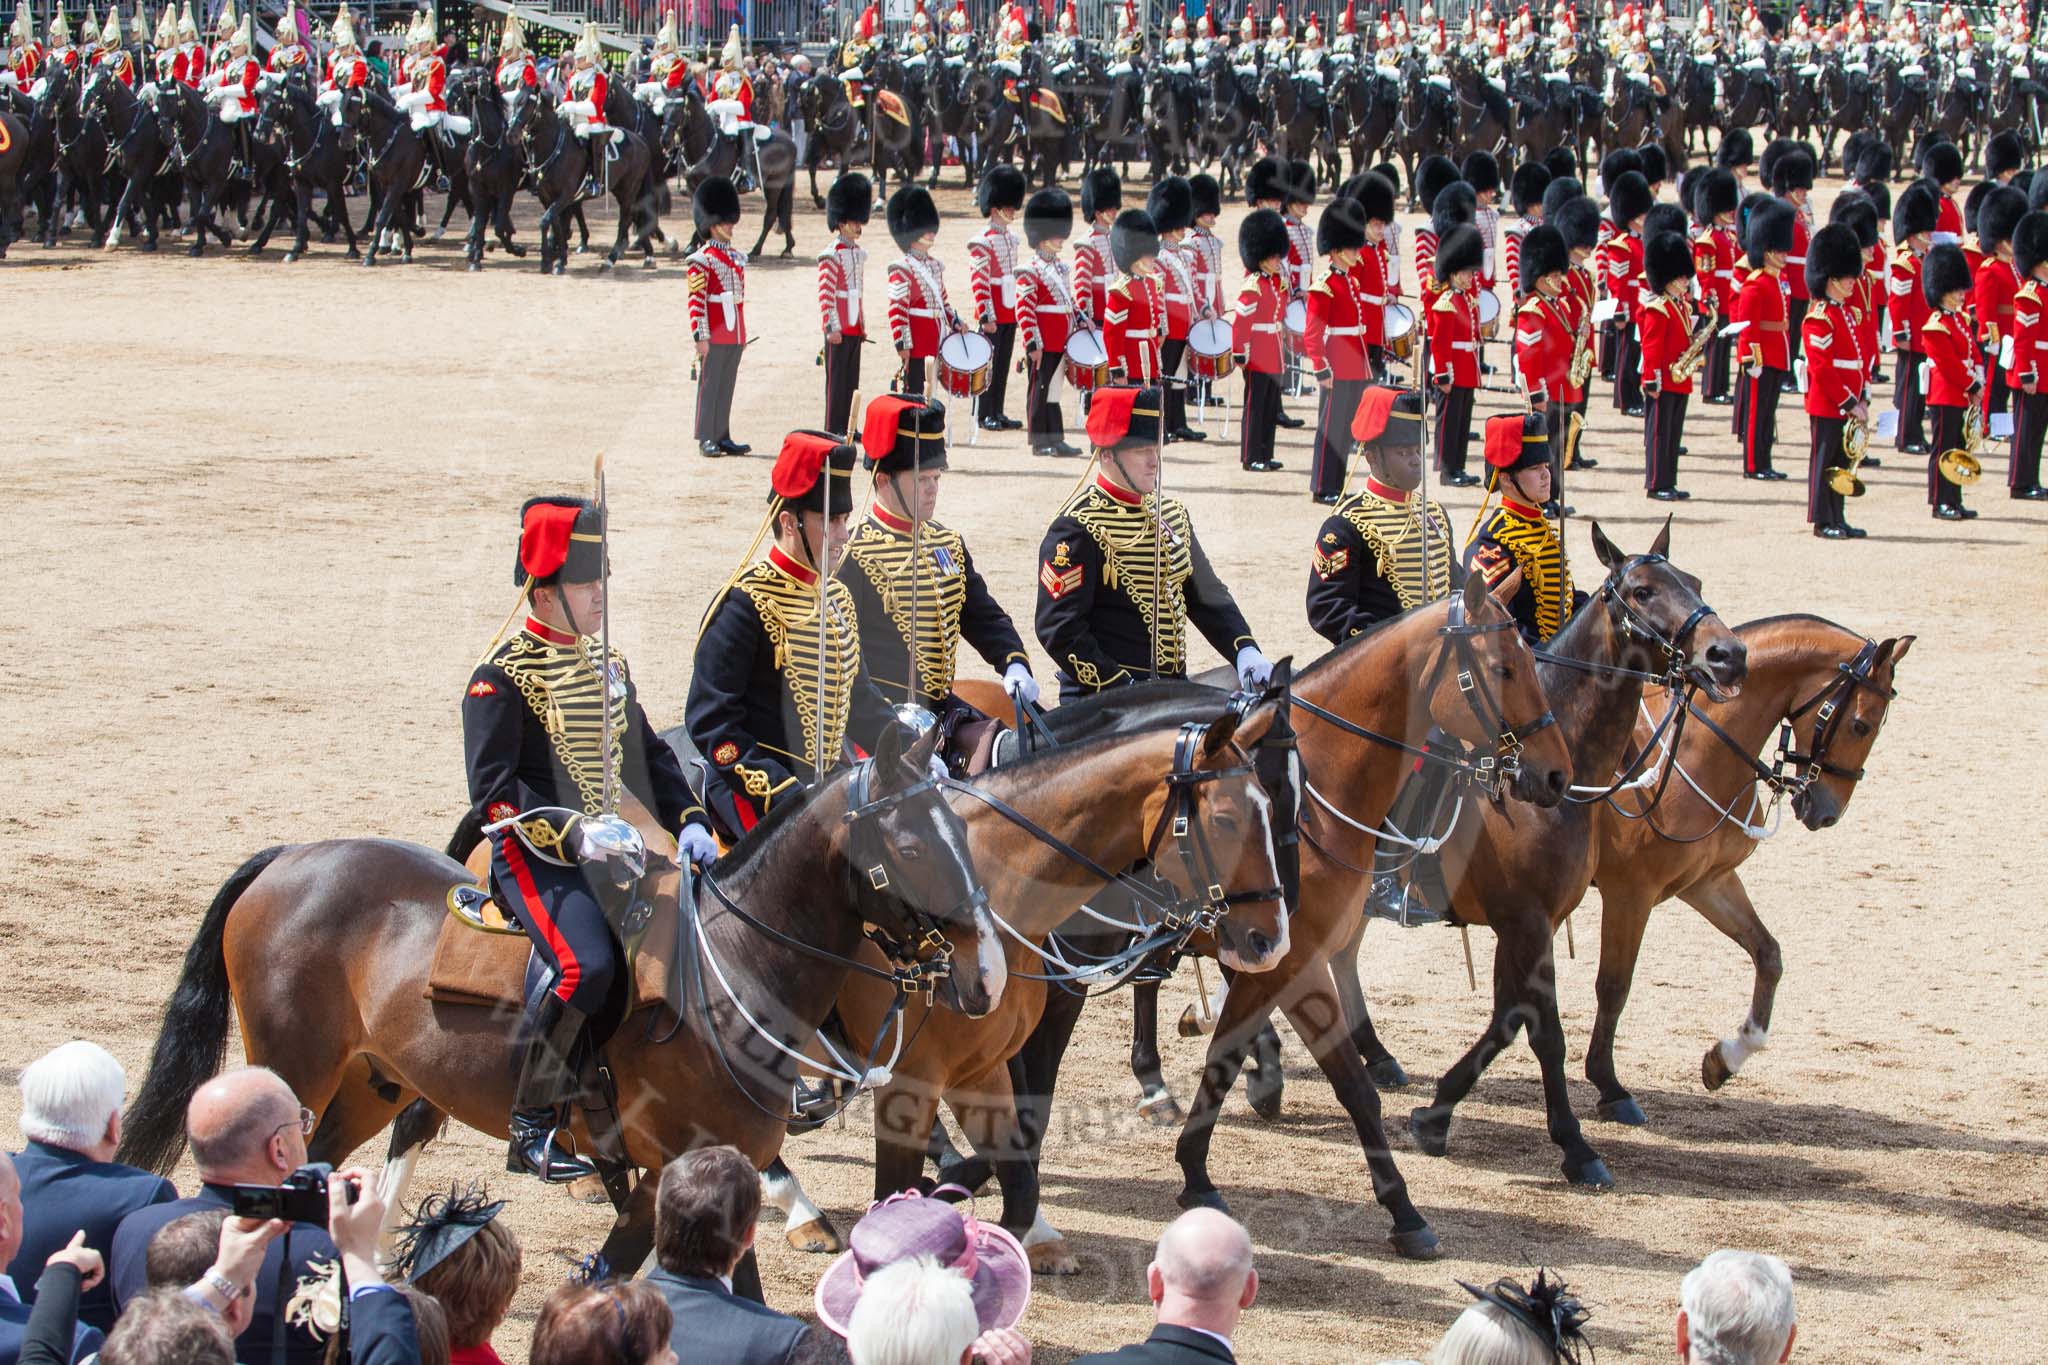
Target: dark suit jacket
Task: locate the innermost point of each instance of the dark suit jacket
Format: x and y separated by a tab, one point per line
14	1327
715	1327
1168	1345
128	1270
63	1192
381	1329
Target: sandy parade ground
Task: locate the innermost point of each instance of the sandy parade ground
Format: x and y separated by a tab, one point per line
261	520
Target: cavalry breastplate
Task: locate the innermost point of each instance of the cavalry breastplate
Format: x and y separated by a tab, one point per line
1143	566
1544	566
560	685
789	615
1393	532
931	587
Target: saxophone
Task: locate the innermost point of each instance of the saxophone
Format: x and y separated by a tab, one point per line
1688	364
1582	358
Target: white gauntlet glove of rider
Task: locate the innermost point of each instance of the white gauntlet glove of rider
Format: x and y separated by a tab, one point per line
697	845
1253	668
1019	683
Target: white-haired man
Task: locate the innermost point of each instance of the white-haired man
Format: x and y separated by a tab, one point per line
71	1115
1735	1308
1201	1280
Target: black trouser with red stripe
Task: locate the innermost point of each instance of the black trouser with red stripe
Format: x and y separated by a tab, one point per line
561	914
913	372
1453	428
1720	352
1333	434
1042	411
1663	428
1171	354
1261	412
1628	367
1948	435
842	378
2030	424
1824	504
1795	328
1912	401
1760	417
1004	341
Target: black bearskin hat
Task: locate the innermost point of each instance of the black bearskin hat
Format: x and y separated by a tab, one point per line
1299	184
1375	196
1946	271
1266	180
1774	152
1916	211
1171	205
561	540
1526	186
715	202
1543	253
1874	163
1618	163
1628	198
1998	215
1941	162
850	200
1560	161
1260	237
1853	209
1048	216
1101	192
1666	257
1455	206
1748	206
1431	176
1656	166
1852	151
1664	217
1736	149
1715	194
1880	197
1462	248
1769	229
2004	152
1578	222
1794	171
1342	227
1689	188
1562	189
2030	243
2037	192
1971	201
1833	254
1002	187
1206	193
911	214
1390	173
1481	172
1132	237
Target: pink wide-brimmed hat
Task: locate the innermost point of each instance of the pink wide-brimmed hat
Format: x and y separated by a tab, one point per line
909	1224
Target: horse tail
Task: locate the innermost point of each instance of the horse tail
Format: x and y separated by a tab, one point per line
194	1040
469	832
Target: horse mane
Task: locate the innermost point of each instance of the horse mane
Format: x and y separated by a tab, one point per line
753	846
1338	651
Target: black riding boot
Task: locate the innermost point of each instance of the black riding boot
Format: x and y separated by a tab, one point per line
1405	882
546	1078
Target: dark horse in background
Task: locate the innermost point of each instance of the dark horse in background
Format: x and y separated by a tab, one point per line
1848	105
706	152
1045	110
149	193
316	156
492	165
1429	121
1232	121
838	131
1365	107
897	118
558	161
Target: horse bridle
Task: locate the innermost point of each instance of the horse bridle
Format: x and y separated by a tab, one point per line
1677	655
1828	706
923	963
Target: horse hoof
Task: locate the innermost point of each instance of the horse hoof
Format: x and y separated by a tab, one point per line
1417	1244
1386	1074
476	267
1432	1134
1161	1110
604	266
1714	1072
818	1237
290	256
1594	1175
650	264
587	1189
1624	1110
1204	1199
195	251
437	234
1052	1258
353	255
1265	1097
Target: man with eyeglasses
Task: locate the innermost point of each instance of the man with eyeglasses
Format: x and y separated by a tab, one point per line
246	1127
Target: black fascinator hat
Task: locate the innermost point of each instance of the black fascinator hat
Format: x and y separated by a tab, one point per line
440	1225
1546	1308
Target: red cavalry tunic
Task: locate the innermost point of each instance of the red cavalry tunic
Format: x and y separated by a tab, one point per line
518	70
1837	365
1134	318
717	287
349	72
1334	340
919	313
1255	322
842	268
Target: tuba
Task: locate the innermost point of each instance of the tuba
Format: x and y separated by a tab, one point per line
1844	481
1962	467
1688	363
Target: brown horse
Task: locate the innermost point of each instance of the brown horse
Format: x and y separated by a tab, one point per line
1826	691
1522	872
324	951
1458	665
1115	802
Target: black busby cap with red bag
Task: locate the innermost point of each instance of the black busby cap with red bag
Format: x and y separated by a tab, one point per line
561	540
814	468
1517	441
1124	418
903	433
1388	417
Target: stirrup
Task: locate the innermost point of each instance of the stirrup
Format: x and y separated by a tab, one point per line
538	1151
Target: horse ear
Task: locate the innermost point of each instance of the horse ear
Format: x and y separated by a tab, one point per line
1505	590
1282	679
918	758
888	749
1604	549
1663	540
1893	650
1220	732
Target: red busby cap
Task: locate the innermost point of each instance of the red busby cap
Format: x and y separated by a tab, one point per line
1122	418
560	539
1388	417
903	431
1516	441
805	458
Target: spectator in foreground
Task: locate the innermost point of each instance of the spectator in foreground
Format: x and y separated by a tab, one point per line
458	1252
1200	1281
165	1326
1735	1308
704	1218
618	1322
431	1322
1510	1325
14	1314
245	1127
71	1115
911	1315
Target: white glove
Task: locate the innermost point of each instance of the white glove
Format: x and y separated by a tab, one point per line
583	107
10	80
1019	683
1253	668
697	845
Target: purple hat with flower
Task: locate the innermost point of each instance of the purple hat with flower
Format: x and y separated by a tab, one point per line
908	1225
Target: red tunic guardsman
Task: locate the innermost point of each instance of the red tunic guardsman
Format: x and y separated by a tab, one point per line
1255	333
1837	370
1766	348
1792	182
2028	373
1545	338
717	301
1102	196
1171	206
1298	195
1134	311
1205	247
1451	315
1914	216
1046	316
1715	200
1577	220
1955	373
992	279
920	316
1995	283
1334	342
1431	177
289	53
1372	284
535	719
842	312
1667	328
1628	200
1525	195
1941	165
